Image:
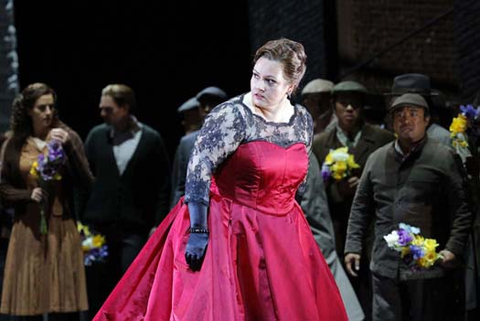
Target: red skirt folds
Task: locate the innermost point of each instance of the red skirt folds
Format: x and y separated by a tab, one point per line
257	267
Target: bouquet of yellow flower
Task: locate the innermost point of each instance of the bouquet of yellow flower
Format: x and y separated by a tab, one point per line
93	245
414	248
458	128
338	164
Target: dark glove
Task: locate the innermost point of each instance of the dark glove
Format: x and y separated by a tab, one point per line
197	242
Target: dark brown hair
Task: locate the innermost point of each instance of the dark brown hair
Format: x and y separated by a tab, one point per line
290	54
20	121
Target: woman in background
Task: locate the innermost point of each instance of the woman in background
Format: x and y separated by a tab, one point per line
44	271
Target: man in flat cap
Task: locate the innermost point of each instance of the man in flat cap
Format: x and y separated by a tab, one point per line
420	84
361	139
206	100
191	108
420	182
190	113
316	96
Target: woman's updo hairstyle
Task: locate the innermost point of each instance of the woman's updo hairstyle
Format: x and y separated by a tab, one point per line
290	54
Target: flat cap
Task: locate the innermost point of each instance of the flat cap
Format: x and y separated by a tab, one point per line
189	104
212	91
350	86
409	99
317	86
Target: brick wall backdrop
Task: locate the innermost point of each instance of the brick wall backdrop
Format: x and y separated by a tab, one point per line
302	21
367	27
467	36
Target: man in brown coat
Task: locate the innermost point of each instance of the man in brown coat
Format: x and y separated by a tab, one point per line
360	138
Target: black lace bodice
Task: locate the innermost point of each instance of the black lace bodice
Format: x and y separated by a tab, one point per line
226	127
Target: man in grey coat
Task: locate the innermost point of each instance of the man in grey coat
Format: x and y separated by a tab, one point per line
314	204
418	181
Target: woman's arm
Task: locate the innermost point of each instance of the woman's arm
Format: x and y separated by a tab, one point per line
220	136
8	192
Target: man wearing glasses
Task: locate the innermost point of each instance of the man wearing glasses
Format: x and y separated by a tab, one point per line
131	190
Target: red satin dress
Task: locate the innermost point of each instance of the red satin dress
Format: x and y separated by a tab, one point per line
261	263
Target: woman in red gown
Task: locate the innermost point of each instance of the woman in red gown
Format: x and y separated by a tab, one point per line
261	263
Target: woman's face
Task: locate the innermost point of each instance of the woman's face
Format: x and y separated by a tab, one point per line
42	112
268	83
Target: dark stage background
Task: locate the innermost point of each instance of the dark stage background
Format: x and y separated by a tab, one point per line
78	47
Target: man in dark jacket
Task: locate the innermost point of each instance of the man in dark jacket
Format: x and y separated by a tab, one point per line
130	195
362	139
420	182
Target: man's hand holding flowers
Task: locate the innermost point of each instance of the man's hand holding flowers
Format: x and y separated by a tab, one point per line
415	250
448	259
341	166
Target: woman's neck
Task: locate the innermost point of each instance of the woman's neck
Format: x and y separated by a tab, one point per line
41	133
278	113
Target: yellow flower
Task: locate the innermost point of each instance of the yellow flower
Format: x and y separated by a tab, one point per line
340	162
83	228
339	166
33	170
329	159
338	175
430	245
459	124
422	262
352	163
98	241
418	240
428	260
339	170
405	251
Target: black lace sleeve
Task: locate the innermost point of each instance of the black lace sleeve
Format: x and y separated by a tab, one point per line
220	136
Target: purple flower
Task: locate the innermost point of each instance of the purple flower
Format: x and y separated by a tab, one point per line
325	172
404	237
48	166
95	255
54	144
470	112
417	252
